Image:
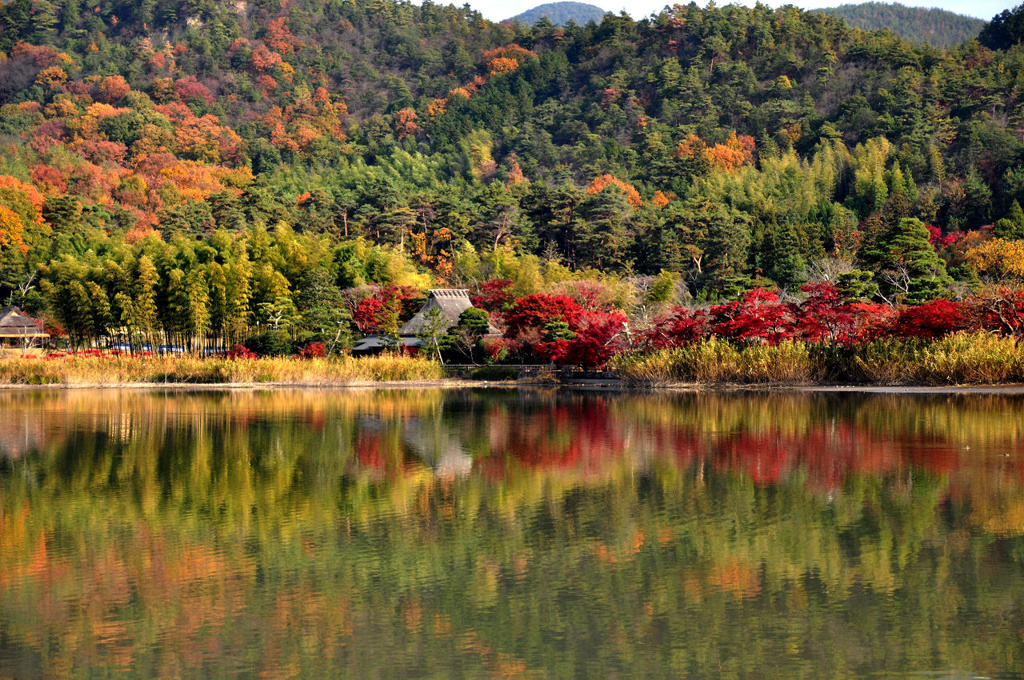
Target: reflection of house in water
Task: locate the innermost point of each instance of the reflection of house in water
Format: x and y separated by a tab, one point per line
438	445
19	436
452	302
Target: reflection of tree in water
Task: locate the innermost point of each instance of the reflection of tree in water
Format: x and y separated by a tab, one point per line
304	531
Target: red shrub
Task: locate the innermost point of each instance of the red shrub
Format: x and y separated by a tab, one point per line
681	326
376	315
502	349
381	312
824	315
939	241
538	310
930	320
493	295
595	342
876	320
313	350
240	352
759	316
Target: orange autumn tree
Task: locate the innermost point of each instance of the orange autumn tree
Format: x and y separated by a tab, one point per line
21	204
501	65
52	77
436	107
737	151
279	37
435	252
113	89
405	123
263	59
599	184
506	59
515	175
11	230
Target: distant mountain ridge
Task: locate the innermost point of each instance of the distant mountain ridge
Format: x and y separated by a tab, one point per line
561	13
936	27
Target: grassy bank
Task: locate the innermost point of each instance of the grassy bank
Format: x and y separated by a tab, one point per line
193	370
960	359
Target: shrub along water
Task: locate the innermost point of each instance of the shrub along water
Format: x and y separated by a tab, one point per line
966	358
714	360
115	370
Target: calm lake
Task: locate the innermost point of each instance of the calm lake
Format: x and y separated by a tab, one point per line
502	533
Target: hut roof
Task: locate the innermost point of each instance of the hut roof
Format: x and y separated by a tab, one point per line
375	342
451	301
15	323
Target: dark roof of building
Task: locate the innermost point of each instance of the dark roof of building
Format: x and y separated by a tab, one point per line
451	301
18	324
374	342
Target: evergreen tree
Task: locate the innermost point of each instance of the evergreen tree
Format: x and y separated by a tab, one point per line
324	315
912	271
723	240
788	268
1011	227
605	243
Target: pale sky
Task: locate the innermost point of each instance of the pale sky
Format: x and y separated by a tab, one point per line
496	10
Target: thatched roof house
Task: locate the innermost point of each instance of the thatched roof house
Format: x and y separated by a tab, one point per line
451	301
17	327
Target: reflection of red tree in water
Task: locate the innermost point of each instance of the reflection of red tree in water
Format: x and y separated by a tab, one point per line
592	437
370	450
934	455
582	437
827	453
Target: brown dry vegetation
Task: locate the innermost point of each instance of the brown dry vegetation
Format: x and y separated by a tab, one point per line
959	359
192	370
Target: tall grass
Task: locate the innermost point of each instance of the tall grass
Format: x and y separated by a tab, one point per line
718	361
960	359
192	370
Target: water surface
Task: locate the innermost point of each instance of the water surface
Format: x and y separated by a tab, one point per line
503	533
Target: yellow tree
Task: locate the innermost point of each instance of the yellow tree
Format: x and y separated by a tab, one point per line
998	259
11	230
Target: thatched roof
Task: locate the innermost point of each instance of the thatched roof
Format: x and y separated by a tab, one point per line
15	323
451	301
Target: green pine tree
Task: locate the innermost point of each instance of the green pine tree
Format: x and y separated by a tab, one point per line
913	272
1011	227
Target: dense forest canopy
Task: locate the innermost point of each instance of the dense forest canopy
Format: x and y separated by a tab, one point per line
931	25
243	161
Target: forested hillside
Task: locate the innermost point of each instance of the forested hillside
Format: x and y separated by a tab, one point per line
561	13
241	163
921	25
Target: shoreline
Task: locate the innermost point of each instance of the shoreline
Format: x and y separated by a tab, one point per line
592	385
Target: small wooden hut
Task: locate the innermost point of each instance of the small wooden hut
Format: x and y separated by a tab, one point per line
451	301
18	329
